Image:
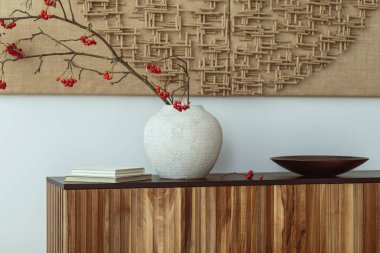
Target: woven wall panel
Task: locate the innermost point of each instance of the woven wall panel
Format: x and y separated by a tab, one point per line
233	47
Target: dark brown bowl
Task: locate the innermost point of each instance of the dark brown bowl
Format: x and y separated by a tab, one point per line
319	166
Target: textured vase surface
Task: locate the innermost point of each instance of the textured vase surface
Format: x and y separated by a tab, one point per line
183	145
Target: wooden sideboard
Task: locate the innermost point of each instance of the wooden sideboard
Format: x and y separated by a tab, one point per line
281	214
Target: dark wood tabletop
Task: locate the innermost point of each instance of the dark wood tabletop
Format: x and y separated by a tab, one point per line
270	178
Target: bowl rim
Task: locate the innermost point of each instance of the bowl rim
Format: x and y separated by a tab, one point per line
318	158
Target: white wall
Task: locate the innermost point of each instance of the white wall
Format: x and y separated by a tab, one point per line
47	136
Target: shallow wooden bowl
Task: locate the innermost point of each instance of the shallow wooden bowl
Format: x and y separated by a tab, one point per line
319	166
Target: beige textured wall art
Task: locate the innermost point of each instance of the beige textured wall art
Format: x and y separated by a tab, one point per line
233	47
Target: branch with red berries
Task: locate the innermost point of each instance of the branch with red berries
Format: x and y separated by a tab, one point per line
166	91
174	90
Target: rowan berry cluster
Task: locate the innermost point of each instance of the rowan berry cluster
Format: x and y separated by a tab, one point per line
107	76
51	3
69	82
177	104
87	42
13	50
153	68
44	15
3	85
7	26
162	92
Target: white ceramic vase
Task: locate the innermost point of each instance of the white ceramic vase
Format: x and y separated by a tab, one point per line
183	145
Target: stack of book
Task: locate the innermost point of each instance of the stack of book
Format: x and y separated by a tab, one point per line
108	175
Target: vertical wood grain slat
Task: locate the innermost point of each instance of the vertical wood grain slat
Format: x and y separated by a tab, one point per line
358	218
48	220
89	238
233	224
101	222
179	242
94	195
324	218
106	221
242	230
251	242
300	216
278	224
223	218
158	220
335	215
377	186
202	209
125	225
370	218
263	219
65	231
313	219
211	220
71	221
147	219
82	216
346	193
195	221
269	219
115	221
169	214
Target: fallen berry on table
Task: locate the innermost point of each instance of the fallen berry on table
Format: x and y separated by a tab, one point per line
249	175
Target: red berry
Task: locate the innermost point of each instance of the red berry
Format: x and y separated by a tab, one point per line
158	70
13	50
87	42
153	66
261	177
3	85
58	79
5	26
249	177
44	15
148	66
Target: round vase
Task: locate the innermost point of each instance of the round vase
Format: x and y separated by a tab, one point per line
183	145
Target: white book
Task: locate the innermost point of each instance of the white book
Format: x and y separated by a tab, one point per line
108	172
108	180
102	175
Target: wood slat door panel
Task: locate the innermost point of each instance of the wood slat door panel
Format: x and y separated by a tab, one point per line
319	218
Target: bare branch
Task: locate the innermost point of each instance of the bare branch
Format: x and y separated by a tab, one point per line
20	11
39	66
72	63
28	4
32	37
63	9
71	10
122	78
